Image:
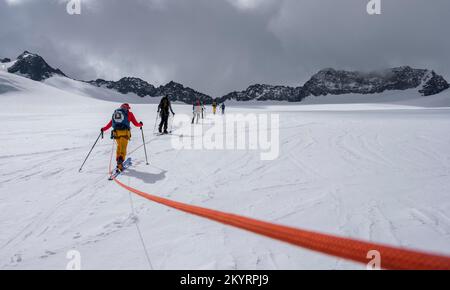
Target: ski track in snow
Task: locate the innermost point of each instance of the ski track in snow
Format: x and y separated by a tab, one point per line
381	175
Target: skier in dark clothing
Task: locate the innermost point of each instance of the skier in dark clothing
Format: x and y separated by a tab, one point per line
223	108
164	110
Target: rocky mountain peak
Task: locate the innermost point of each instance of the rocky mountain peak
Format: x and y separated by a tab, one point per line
34	67
338	82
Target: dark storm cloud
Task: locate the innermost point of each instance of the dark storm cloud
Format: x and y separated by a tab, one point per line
217	46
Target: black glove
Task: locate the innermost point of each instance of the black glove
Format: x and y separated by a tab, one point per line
142	124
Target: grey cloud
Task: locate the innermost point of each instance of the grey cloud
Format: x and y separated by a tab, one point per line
224	45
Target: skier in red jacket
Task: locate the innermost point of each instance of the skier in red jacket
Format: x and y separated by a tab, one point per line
120	122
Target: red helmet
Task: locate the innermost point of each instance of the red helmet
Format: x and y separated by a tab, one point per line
126	106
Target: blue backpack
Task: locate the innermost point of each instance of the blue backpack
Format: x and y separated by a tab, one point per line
120	120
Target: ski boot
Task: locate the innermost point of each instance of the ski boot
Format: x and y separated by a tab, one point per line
120	164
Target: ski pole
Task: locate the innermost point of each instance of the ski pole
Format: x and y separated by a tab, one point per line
156	122
171	124
145	148
98	138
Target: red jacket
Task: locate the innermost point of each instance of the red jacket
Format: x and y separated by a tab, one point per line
132	119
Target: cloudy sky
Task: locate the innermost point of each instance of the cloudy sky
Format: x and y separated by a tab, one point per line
217	46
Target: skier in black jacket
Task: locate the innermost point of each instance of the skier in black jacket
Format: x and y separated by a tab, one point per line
164	110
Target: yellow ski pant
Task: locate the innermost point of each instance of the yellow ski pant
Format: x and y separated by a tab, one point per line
122	137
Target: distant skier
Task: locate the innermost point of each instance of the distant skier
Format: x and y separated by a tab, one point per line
223	108
197	110
214	105
120	123
164	109
203	110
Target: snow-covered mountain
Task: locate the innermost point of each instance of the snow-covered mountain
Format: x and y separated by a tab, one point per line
340	82
325	82
34	67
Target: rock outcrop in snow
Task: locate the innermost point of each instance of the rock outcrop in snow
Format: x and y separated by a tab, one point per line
5	60
33	67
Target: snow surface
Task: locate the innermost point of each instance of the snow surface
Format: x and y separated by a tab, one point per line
5	66
378	172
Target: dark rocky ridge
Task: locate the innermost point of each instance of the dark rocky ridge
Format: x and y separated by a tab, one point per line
434	85
325	82
336	82
127	85
175	91
267	92
339	82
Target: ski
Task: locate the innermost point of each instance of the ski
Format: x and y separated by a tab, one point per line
116	172
163	134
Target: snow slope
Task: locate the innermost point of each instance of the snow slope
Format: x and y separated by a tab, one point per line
379	172
5	66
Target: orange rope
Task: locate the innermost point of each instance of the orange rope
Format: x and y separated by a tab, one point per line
391	257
